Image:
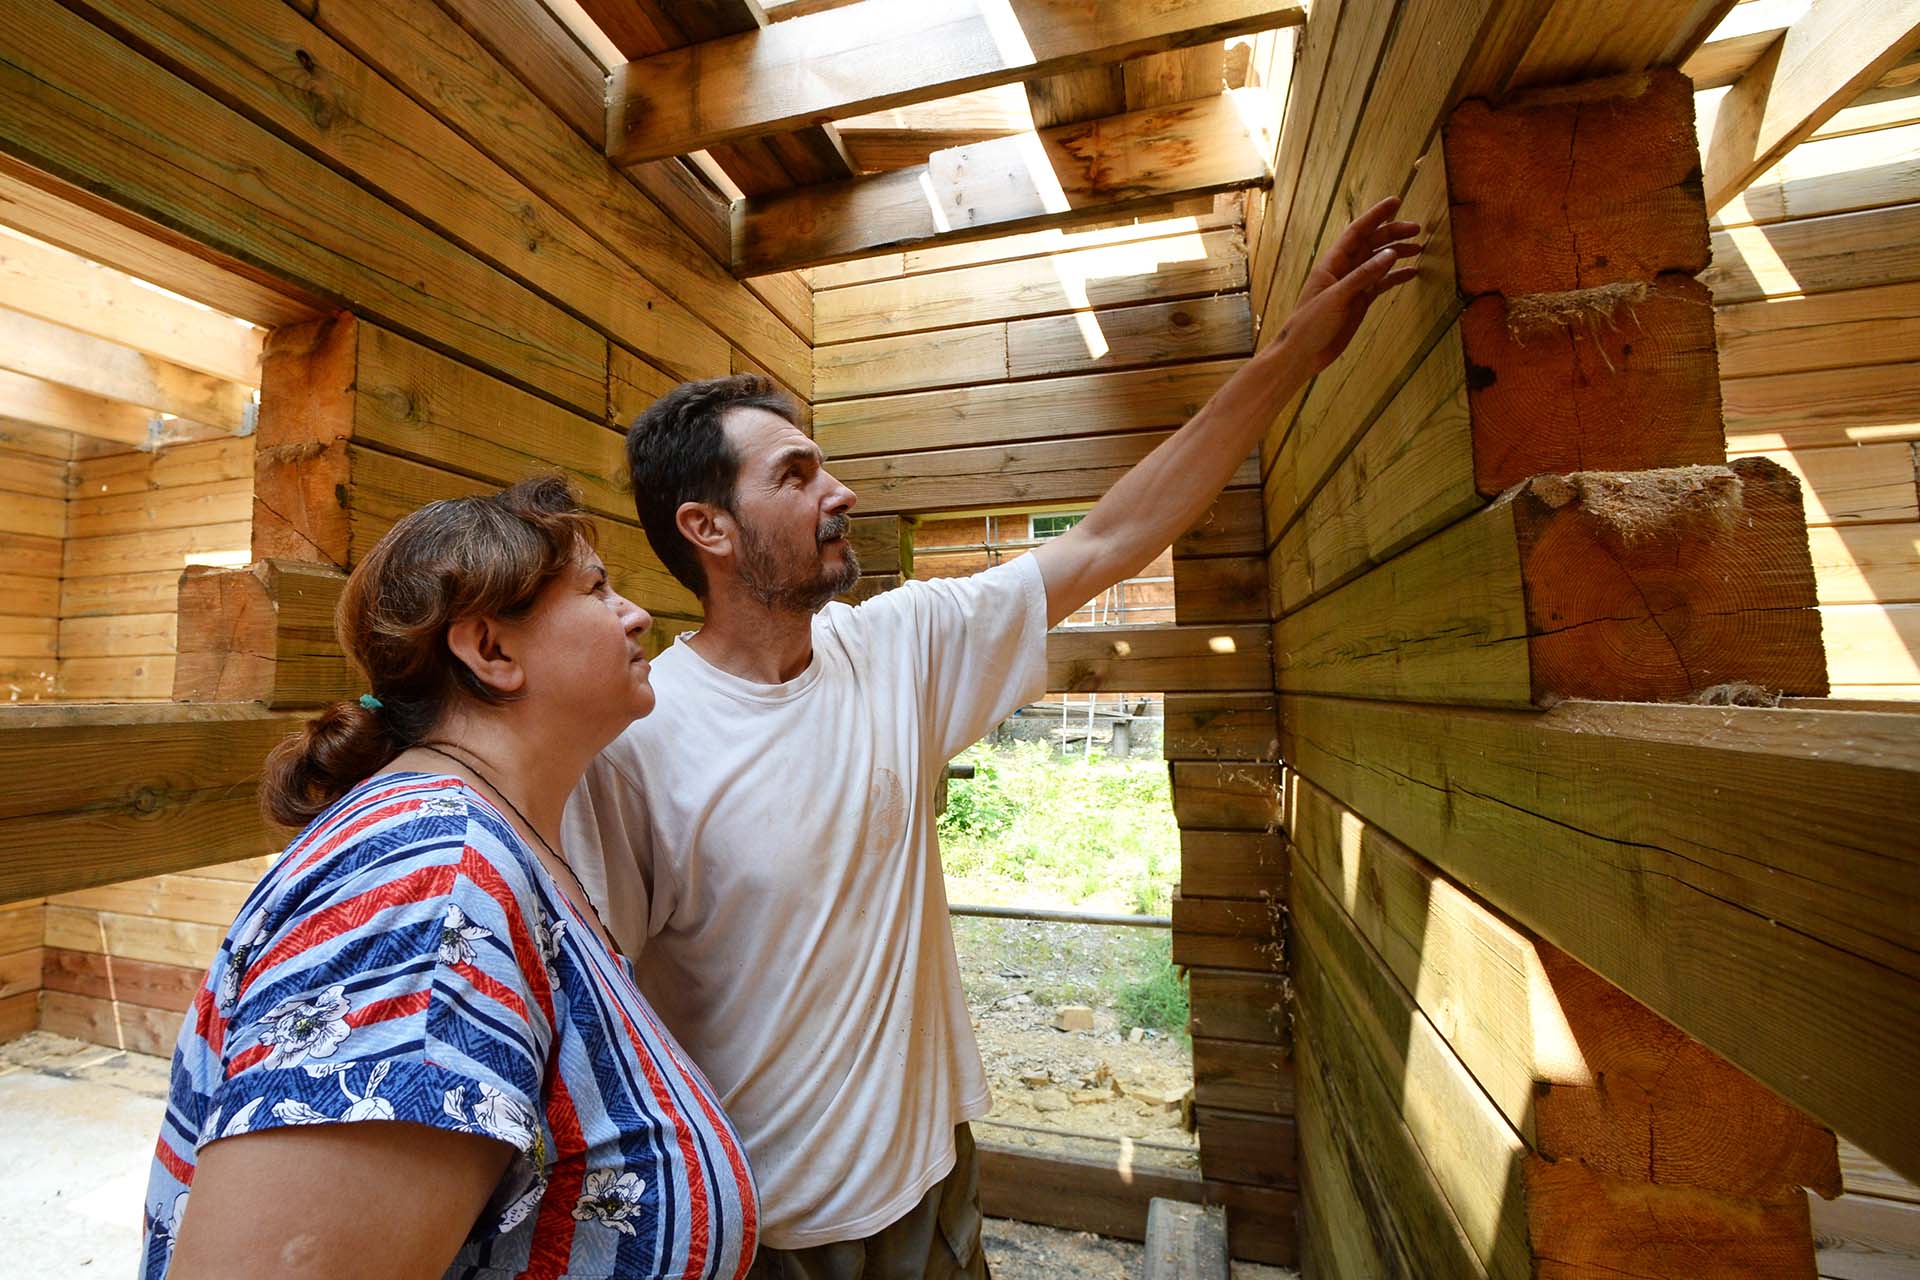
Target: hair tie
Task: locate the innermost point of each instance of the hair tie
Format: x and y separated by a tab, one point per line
370	702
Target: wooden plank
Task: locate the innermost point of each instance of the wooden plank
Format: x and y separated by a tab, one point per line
1412	472
1242	1077
196	899
1873	564
1582	39
192	462
66	289
1772	798
101	795
400	149
1815	255
175	507
1861	1237
116	593
1824	407
1219	727
417	45
1577	1068
57	408
20	971
1821	62
1220	589
134	1028
1168	267
115	679
155	550
1080	1194
1230	933
1049	409
1228	1004
120	978
1128	165
1020	475
33	204
1233	525
32	515
1874	325
1158	658
1185	1242
1232	864
1635	590
1737	43
1403	1214
1197	329
1257	1150
1872	644
1228	795
1397	333
312	226
1839	175
869	56
52	352
1086	342
122	636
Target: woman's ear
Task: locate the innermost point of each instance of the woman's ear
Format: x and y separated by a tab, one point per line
708	528
482	644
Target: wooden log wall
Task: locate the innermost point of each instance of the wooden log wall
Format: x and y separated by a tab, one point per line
1441	520
135	520
443	236
33	522
1817	328
1817	297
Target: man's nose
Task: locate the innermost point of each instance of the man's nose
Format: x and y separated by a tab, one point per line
842	498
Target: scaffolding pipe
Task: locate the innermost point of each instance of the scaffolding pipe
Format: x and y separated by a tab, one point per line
1059	917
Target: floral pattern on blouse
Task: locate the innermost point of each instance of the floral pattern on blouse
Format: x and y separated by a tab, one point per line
408	959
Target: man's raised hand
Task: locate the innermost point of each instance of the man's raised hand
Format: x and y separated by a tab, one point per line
1371	256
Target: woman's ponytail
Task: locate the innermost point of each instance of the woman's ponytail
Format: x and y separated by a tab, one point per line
336	750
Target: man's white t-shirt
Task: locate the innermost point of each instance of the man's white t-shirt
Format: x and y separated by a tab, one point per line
767	856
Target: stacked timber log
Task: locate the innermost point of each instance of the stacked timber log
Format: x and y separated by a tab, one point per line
1512	933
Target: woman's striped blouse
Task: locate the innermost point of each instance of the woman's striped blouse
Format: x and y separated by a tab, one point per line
409	958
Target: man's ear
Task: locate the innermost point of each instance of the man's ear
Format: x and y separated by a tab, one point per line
482	644
707	527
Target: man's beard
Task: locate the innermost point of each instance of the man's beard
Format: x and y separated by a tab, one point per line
796	584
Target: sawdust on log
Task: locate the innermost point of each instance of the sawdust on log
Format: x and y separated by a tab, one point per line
1638	504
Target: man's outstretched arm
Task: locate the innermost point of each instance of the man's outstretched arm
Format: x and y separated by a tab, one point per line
1170	489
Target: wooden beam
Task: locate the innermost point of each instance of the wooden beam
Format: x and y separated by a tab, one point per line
52	284
263	634
1578	1069
1128	165
100	794
1746	873
1739	40
1646	586
876	54
1813	70
1110	1198
1151	659
95	366
55	407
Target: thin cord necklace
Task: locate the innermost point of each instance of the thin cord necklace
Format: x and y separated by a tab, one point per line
460	756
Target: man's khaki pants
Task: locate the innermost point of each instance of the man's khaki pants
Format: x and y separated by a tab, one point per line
938	1239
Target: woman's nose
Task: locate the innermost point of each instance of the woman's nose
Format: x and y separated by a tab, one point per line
636	618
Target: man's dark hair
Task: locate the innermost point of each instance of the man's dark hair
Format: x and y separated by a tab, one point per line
677	452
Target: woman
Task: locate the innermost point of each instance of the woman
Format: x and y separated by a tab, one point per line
418	1052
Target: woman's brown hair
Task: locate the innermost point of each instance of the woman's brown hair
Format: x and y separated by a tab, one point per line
487	556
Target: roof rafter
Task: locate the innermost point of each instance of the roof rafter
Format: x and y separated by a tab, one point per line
1813	70
1134	163
878	54
57	354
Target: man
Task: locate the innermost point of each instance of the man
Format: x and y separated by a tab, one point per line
764	844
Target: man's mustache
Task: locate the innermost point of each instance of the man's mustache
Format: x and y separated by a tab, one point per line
834	527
